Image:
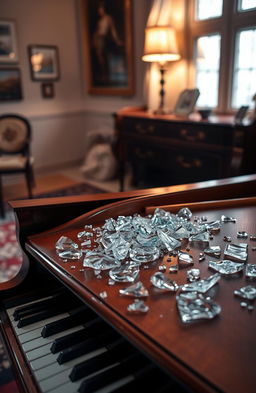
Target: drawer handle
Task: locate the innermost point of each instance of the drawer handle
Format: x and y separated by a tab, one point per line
140	129
144	154
187	163
192	137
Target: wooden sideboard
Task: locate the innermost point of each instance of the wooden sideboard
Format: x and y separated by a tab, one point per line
166	150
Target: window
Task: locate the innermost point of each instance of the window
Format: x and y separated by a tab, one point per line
206	9
223	52
207	67
244	74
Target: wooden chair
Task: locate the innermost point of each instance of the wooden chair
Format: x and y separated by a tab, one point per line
15	137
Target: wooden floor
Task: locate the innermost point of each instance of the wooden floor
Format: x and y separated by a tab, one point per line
44	183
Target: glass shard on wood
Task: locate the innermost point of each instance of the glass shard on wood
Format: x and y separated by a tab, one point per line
195	307
213	251
226	267
201	286
160	281
135	290
250	271
124	273
236	252
248	292
138	307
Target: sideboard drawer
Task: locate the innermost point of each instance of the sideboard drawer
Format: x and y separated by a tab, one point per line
186	132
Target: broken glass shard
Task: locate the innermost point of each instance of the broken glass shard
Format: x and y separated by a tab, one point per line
250	271
144	254
65	243
181	233
242	234
226	267
193	275
214	251
185	213
236	252
160	281
253	237
86	243
195	307
248	292
120	248
103	295
135	290
201	286
124	273
138	307
227	239
170	242
99	261
201	257
70	254
147	241
185	258
200	237
227	219
213	227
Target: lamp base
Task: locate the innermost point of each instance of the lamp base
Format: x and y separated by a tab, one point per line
161	111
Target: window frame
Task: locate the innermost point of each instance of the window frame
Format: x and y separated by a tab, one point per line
227	26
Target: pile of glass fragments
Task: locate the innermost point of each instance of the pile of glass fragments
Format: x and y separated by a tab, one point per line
125	245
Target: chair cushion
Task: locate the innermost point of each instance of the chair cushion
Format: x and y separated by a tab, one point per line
12	162
13	134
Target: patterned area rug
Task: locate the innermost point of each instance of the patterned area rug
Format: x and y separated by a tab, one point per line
10	261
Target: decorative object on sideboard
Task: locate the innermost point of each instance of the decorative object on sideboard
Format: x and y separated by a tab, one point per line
10	84
8	42
205	113
109	46
44	62
160	46
241	113
186	102
47	90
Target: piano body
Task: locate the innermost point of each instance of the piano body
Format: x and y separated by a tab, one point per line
63	336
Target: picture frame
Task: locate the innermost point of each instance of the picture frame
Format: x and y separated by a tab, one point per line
10	84
47	90
186	102
241	113
8	42
108	50
44	62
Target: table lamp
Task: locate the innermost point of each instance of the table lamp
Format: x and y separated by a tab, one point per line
160	46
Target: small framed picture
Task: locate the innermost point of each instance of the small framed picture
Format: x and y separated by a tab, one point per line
10	84
44	62
8	42
186	102
240	114
47	90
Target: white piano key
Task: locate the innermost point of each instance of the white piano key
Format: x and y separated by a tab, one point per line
38	352
40	341
36	325
52	369
54	381
43	361
31	335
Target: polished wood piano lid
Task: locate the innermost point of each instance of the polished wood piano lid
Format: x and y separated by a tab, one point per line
215	355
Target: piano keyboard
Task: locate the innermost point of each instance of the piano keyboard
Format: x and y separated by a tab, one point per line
70	349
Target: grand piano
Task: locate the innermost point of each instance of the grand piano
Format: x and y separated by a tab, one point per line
67	330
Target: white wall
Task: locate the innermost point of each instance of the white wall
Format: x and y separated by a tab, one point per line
60	124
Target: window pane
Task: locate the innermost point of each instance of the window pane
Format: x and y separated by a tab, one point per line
207	9
207	53
244	5
244	75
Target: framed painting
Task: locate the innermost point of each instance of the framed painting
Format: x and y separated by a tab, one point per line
8	42
10	84
47	90
44	62
108	46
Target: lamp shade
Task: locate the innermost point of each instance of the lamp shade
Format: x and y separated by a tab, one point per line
160	44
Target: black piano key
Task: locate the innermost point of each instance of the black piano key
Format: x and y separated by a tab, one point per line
41	315
77	317
33	308
87	346
149	378
126	367
115	352
94	327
